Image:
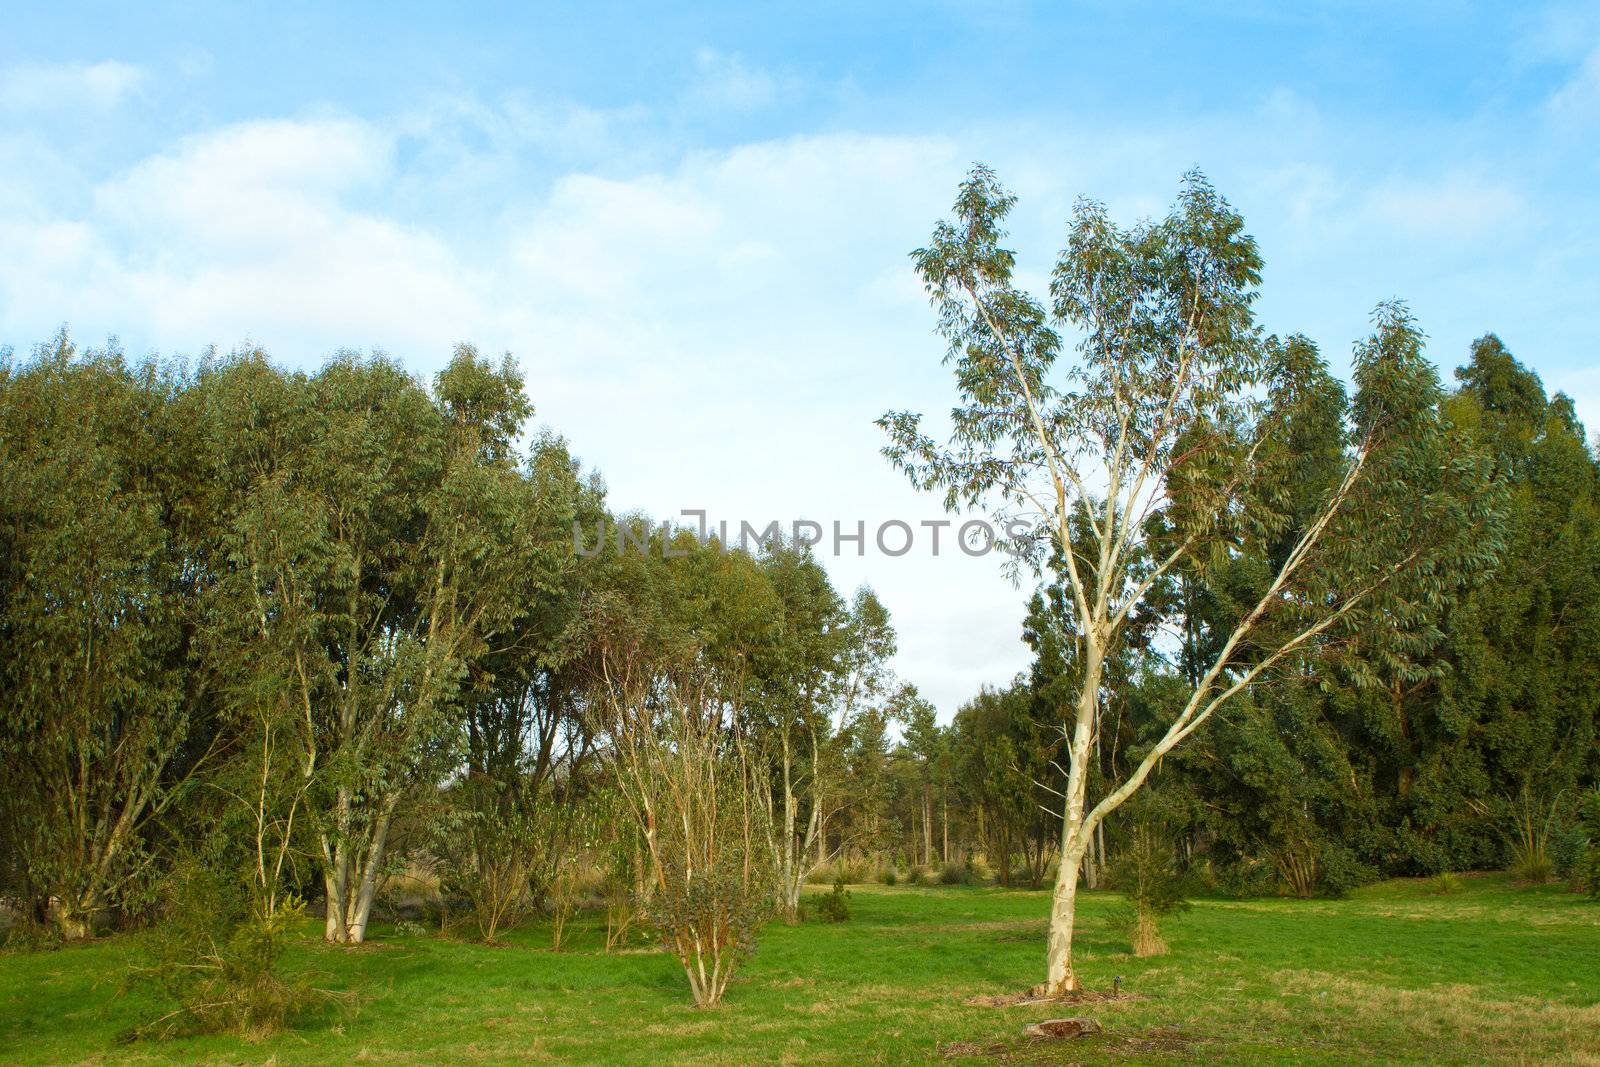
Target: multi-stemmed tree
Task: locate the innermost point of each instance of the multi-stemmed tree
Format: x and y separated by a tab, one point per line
99	602
375	536
1148	452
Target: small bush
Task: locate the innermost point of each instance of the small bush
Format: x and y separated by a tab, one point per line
1532	866
28	932
953	873
1240	881
854	872
1532	830
920	875
1147	872
888	876
831	907
217	956
1446	883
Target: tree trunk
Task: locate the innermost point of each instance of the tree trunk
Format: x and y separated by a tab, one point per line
336	884
790	862
1059	975
370	877
73	921
1094	861
946	820
349	906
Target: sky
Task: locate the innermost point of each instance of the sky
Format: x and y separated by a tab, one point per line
691	227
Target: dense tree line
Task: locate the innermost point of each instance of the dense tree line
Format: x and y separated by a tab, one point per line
273	639
345	613
1468	737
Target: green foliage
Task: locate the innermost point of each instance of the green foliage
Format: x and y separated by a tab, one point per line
1446	883
1589	860
1005	761
488	849
339	615
1146	871
98	607
218	957
831	907
711	916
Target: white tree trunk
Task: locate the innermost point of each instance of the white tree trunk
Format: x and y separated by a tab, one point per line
336	883
1059	975
349	906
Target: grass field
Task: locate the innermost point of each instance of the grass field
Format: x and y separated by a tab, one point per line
1495	973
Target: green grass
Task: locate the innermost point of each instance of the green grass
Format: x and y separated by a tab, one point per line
1494	973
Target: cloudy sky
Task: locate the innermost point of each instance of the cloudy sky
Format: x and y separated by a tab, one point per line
691	228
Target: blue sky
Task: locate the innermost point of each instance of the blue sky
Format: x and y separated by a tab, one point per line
691	226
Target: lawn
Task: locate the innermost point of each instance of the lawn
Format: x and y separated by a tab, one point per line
1495	973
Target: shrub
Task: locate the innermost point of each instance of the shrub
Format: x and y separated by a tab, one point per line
1532	866
953	873
490	846
27	933
217	957
1530	828
620	890
692	798
1146	870
853	871
920	875
831	907
1240	880
888	876
1445	883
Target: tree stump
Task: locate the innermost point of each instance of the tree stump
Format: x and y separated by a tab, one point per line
1077	1026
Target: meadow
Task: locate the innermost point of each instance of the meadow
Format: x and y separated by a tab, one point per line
1496	972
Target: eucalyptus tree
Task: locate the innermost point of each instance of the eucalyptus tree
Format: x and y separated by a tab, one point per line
97	616
794	682
376	535
514	810
1004	765
1513	739
1156	433
857	713
923	742
672	637
825	662
523	712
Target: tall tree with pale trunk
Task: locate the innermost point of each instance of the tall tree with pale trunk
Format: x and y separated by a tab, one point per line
1152	448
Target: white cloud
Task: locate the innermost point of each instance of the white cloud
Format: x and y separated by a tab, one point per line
1446	206
255	229
726	82
51	87
1578	101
